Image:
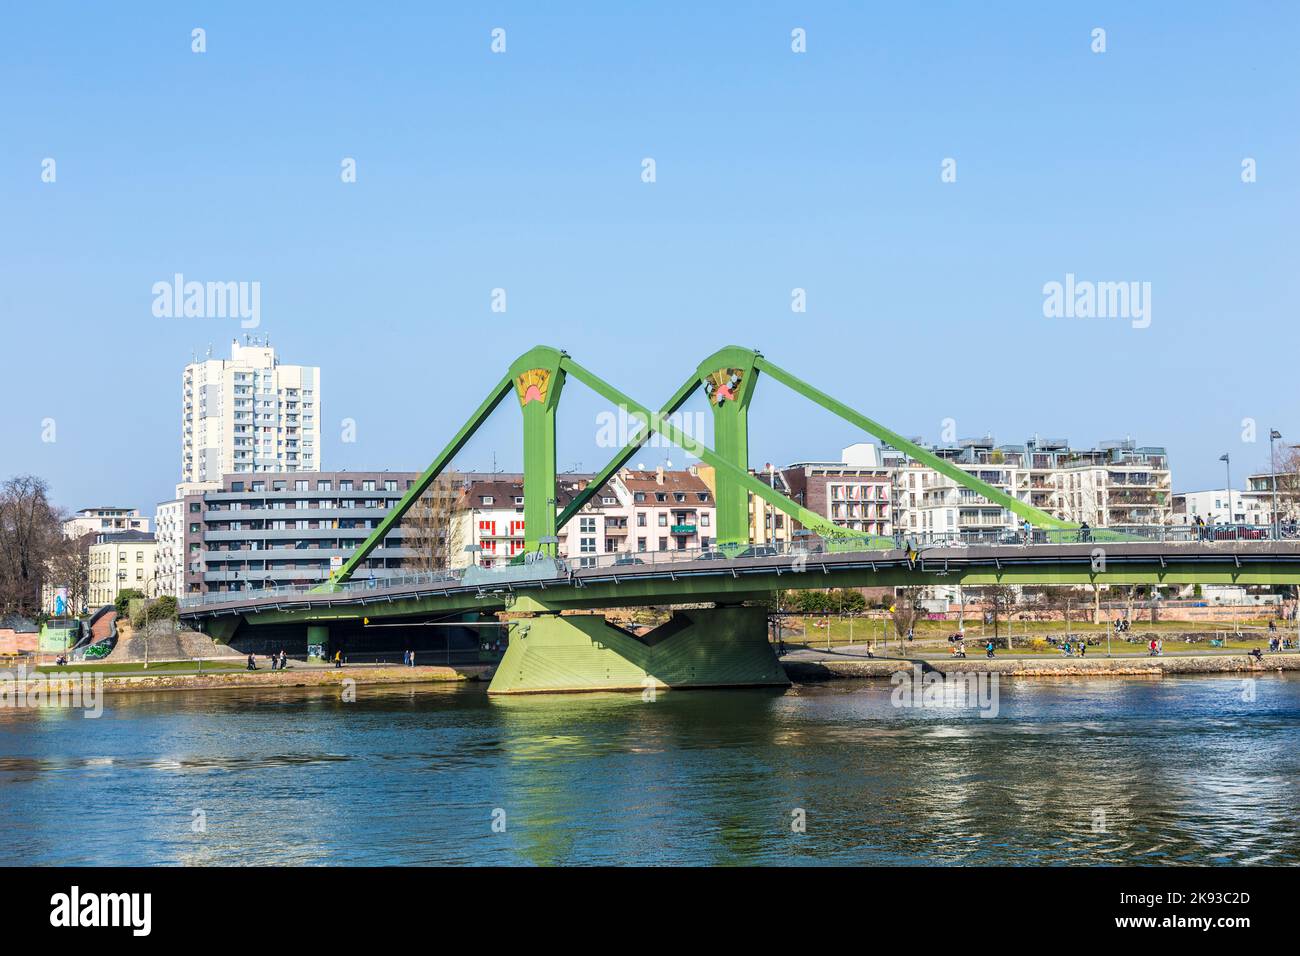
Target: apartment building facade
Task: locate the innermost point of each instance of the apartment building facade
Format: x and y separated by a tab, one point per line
291	528
856	493
120	560
1118	483
636	511
249	414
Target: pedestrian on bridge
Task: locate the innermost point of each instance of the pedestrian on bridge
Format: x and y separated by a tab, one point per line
1029	532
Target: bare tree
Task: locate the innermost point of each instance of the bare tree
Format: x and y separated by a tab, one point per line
1288	483
904	612
29	534
431	530
1001	598
69	566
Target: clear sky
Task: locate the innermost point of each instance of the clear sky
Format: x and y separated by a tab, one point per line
775	170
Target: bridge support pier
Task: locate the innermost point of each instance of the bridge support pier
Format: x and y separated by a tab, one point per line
706	647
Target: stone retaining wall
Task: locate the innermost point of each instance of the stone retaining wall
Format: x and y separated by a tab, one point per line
813	671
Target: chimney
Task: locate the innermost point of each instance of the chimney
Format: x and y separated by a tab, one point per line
659	475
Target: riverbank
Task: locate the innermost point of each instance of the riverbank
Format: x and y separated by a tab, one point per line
814	671
293	677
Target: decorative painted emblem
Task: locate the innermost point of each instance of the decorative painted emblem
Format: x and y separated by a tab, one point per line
531	385
722	385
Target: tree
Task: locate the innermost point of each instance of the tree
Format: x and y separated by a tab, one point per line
431	531
29	535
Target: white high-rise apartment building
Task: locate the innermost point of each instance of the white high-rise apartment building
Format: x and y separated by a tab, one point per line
249	413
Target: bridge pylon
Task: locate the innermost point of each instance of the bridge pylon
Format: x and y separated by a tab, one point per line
729	376
538	377
696	648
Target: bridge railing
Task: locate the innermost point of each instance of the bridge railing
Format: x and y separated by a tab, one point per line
802	545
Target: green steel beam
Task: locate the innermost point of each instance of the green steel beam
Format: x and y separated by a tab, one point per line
421	485
725	468
625	455
1036	517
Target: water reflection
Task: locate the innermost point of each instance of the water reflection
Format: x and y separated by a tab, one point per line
1125	771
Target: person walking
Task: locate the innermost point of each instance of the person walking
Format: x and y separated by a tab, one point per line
338	659
252	664
1029	531
284	659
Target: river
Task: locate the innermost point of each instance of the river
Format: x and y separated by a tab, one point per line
1112	771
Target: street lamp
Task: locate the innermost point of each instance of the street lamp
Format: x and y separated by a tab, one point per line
1273	435
1227	465
472	550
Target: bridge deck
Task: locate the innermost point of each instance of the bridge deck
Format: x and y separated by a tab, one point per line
696	577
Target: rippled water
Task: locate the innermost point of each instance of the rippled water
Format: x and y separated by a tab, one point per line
1185	770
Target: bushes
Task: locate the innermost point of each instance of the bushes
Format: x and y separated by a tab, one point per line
124	599
161	609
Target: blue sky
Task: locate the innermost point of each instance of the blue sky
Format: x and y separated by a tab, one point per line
775	170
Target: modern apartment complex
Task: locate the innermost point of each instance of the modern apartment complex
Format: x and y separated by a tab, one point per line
1118	483
290	528
119	560
249	414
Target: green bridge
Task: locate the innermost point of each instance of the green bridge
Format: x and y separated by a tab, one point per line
721	638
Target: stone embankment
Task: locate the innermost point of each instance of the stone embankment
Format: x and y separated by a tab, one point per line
302	677
812	671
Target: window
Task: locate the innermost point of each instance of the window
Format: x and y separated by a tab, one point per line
194	507
368	485
324	485
663	520
661	496
679	496
345	485
390	485
640	519
663	544
486	499
587	525
704	519
640	544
